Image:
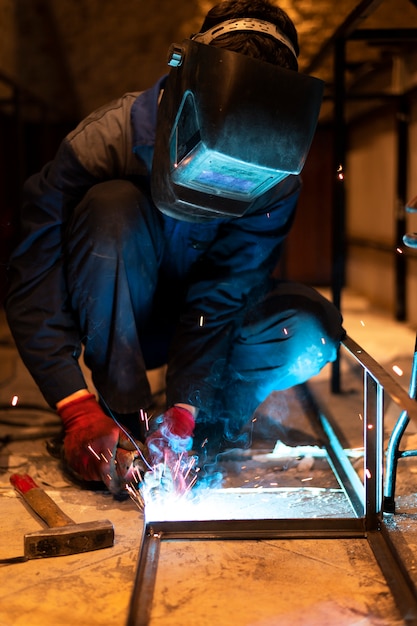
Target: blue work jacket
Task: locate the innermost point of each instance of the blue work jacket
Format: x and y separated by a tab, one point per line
116	142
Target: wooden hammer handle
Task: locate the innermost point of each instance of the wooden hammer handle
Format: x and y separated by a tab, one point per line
39	501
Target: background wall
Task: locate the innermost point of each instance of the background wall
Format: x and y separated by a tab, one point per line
371	180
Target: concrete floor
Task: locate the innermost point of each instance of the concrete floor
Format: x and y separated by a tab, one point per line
245	583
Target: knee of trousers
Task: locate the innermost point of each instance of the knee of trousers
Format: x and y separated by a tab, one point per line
290	340
109	211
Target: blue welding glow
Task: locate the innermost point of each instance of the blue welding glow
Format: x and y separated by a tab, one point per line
308	363
206	169
252	503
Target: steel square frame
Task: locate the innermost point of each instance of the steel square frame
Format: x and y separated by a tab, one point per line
367	522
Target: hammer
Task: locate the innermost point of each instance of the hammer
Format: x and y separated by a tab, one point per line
63	536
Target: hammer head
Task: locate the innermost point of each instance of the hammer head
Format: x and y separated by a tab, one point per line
70	539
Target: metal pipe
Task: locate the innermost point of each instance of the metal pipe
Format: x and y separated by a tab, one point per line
400	215
338	212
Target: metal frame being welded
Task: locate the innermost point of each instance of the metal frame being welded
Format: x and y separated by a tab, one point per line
366	500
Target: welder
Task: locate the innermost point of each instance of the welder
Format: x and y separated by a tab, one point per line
152	239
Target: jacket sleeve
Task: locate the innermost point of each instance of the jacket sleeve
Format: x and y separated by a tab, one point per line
37	303
234	272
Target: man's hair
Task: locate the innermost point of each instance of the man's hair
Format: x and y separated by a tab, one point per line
257	45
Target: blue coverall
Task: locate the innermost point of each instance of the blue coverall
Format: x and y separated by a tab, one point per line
98	264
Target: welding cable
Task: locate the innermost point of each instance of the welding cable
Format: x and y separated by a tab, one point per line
39	427
7	408
28	435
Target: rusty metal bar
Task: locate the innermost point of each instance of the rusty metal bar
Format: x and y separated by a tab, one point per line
143	590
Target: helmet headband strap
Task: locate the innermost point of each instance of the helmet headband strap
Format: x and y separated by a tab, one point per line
246	24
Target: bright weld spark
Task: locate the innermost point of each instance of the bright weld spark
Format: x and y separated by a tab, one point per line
192	463
191	485
201	321
399	251
15	400
144	418
360	417
136	496
103	457
137	475
362	323
166	485
303	480
370	426
397	370
323	341
368	473
268	215
285	331
110	452
177	468
94	452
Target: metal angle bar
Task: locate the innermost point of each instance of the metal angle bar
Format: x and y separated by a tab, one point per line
337	458
144	585
259	529
373	430
392	567
343	469
154	533
391	387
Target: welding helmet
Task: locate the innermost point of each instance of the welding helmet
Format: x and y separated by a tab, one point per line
230	128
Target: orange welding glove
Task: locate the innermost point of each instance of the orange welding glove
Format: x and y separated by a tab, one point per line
95	448
173	435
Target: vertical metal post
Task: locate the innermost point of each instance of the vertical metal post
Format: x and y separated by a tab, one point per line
338	226
401	199
373	459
